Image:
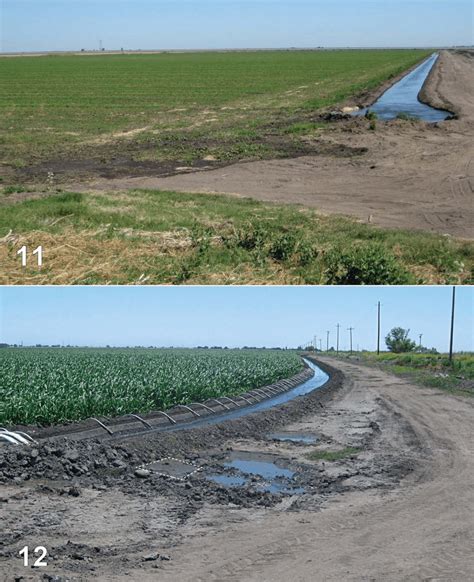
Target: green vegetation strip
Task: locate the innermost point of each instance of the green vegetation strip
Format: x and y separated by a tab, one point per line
186	106
168	237
319	455
52	385
433	370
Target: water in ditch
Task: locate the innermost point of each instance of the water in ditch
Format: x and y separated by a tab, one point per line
402	98
317	381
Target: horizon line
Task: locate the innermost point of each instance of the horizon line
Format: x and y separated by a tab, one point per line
85	51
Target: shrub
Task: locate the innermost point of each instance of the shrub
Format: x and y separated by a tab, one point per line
398	341
307	253
283	247
250	238
370	264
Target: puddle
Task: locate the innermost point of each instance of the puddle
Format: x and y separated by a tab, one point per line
228	480
250	470
402	98
264	469
293	437
277	488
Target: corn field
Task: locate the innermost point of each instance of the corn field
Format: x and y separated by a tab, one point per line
54	385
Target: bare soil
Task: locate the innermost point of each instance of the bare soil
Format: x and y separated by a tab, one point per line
407	174
396	510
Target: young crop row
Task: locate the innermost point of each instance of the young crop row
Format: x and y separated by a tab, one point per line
52	106
47	385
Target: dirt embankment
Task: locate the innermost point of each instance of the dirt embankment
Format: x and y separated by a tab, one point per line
451	83
413	175
395	509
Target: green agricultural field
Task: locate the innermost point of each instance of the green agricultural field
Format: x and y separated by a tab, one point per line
48	385
180	107
70	119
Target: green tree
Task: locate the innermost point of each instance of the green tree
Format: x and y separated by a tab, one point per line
398	341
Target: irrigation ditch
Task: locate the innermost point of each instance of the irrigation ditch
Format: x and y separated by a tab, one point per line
248	456
91	453
190	416
407	97
156	486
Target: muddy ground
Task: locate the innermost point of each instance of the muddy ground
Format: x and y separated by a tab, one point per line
393	508
405	174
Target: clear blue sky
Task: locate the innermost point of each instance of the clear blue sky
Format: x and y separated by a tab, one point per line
40	25
232	316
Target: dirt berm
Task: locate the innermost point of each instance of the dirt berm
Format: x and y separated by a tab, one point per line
394	506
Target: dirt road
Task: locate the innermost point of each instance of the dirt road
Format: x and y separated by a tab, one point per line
400	509
423	530
415	175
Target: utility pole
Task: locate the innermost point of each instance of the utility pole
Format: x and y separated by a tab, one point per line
337	341
350	330
320	345
327	341
315	343
378	329
420	336
451	339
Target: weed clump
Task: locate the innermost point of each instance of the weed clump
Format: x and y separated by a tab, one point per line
249	238
283	247
7	190
370	264
406	116
318	455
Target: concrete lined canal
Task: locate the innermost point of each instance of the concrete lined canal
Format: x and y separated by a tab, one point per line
316	381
